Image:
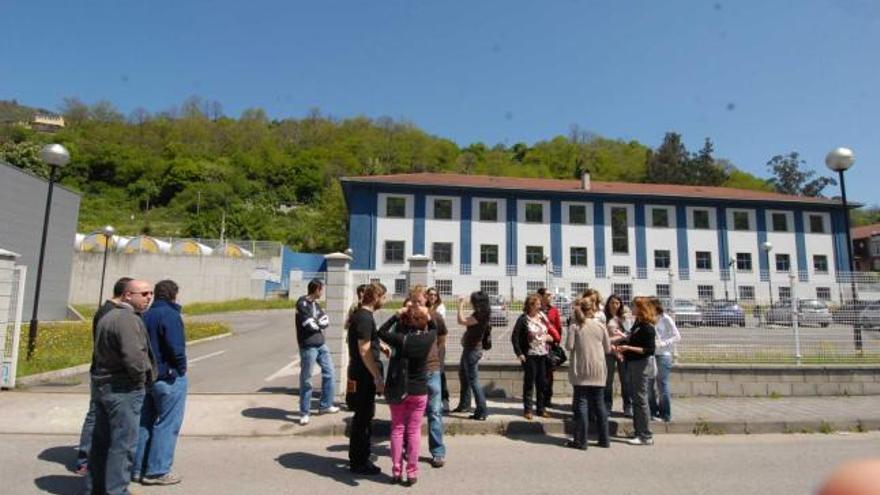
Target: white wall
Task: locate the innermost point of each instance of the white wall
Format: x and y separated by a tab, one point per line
438	230
745	241
393	229
783	243
532	234
489	233
821	244
577	236
661	238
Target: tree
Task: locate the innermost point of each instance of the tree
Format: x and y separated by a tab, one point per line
789	178
667	164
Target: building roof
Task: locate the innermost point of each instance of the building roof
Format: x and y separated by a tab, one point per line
596	187
866	231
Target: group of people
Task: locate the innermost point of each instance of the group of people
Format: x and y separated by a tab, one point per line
138	388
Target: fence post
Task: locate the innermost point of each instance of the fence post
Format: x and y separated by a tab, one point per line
672	292
418	270
795	306
338	296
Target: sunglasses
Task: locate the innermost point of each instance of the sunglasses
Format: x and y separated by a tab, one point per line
145	293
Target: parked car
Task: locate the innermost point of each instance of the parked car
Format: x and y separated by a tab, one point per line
684	312
723	313
810	312
563	304
849	312
498	311
869	318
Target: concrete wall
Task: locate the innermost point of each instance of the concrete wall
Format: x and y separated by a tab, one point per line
201	278
712	380
22	208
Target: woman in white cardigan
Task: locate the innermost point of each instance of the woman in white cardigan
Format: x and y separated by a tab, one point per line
587	343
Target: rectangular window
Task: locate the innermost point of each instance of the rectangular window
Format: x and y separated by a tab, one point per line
661	258
488	211
578	288
489	287
400	286
785	293
442	253
577	214
394	251
534	213
662	291
783	263
488	254
443	209
701	219
534	255
532	286
704	260
823	293
578	256
705	292
620	270
780	222
619	231
820	263
625	291
444	287
741	220
744	262
659	217
395	207
817	224
747	292
875	247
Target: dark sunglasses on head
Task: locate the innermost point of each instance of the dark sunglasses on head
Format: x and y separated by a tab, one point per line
144	293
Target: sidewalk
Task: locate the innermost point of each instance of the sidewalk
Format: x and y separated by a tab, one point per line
259	415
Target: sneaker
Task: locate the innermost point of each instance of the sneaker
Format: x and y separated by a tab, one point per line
574	445
462	409
641	441
410	481
304	420
438	462
164	480
81	470
544	414
330	410
136	478
479	417
368	469
528	415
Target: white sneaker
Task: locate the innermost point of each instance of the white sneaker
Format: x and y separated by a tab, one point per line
641	441
304	420
330	410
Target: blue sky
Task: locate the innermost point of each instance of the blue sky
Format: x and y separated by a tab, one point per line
758	77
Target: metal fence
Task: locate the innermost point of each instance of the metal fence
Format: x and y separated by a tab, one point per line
12	282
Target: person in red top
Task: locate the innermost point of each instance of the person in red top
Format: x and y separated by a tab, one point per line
552	313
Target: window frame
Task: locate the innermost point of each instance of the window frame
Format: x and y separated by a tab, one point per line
529	210
493	210
571	207
624	237
540	262
780	257
388	202
750	263
708	258
451	208
484	253
654	211
741	213
694	219
572	257
821	218
817	257
773	216
668	259
434	252
385	251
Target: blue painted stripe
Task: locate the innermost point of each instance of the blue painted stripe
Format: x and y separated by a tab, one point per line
682	238
599	236
556	236
641	242
464	255
363	206
419	224
723	251
763	257
511	234
801	246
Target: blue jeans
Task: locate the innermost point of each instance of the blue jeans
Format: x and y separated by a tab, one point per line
435	416
160	426
469	376
88	428
307	357
117	412
663	408
589	401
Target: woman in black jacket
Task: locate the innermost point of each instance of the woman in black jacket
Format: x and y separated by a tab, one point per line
530	337
636	349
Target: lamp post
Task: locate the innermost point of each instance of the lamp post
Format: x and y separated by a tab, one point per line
107	232
767	247
731	268
840	160
546	261
56	156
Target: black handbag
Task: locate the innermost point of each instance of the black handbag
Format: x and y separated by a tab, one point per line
397	378
557	355
487	338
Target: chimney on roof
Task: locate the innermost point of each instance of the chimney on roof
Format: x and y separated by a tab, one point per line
585	181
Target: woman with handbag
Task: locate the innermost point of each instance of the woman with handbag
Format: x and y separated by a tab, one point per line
587	342
556	356
636	349
531	334
406	388
473	342
615	318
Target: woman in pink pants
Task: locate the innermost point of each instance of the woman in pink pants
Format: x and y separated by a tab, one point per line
411	339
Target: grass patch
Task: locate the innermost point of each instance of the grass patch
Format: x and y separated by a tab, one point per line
65	344
237	305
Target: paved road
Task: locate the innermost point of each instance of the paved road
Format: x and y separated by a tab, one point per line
676	465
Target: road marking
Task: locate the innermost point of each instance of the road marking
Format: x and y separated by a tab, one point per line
290	369
206	356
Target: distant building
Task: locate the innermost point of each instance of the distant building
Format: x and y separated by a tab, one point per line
22	208
866	248
47	123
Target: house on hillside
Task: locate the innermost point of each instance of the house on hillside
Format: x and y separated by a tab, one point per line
866	247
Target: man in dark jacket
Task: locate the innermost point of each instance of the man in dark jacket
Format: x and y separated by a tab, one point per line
165	402
311	322
85	437
124	366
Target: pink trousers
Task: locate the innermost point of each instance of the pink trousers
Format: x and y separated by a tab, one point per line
406	418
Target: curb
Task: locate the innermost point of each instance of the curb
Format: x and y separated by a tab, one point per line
82	368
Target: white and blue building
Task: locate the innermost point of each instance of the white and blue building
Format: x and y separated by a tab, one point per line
512	235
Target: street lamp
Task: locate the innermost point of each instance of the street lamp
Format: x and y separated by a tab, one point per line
840	160
546	262
56	156
107	232
767	247
731	268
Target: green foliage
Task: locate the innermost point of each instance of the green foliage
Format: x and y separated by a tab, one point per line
789	178
194	309
192	171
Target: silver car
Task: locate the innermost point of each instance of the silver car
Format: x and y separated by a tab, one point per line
869	318
498	311
684	312
810	312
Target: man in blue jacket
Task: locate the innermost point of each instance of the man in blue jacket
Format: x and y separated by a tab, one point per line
311	322
164	404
